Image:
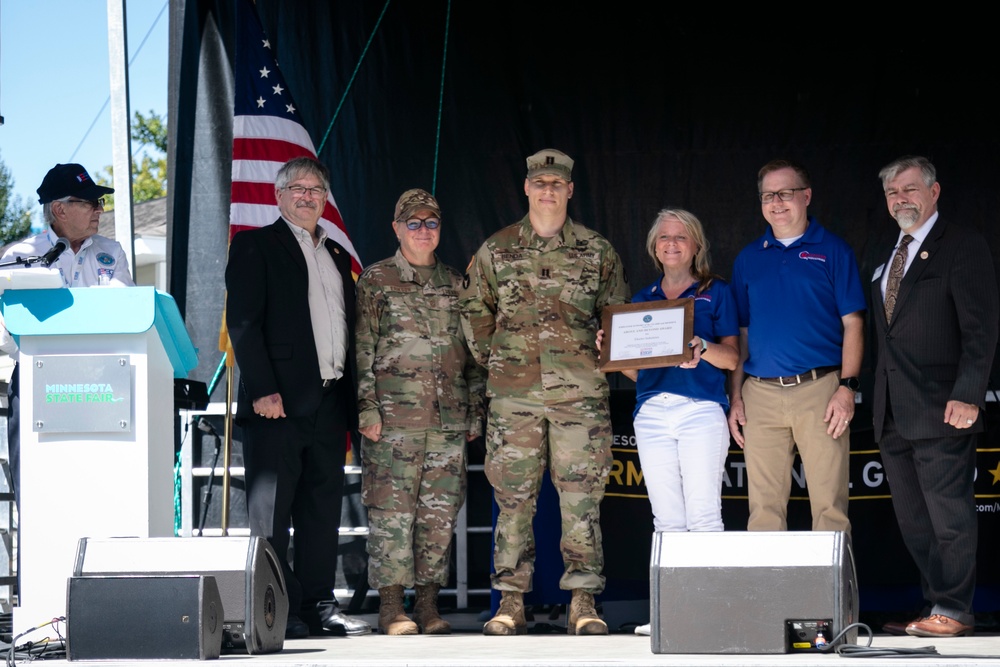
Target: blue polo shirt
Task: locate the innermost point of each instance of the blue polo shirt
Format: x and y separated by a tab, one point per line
714	317
792	300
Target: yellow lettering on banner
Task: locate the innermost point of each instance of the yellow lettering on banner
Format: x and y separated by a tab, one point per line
616	472
631	472
633	476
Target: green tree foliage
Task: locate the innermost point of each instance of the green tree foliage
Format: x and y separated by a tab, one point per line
151	129
149	179
15	216
149	161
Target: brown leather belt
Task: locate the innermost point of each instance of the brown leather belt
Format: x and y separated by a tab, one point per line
792	380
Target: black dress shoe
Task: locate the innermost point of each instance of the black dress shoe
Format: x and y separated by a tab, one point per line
295	628
334	622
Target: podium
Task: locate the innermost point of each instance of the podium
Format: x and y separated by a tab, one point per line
96	367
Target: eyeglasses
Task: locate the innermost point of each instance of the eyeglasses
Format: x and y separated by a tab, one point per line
92	203
413	224
300	191
783	195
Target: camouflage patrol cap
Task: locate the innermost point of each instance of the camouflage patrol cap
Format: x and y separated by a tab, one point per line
550	161
415	200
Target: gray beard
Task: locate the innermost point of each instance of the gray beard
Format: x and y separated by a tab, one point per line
906	218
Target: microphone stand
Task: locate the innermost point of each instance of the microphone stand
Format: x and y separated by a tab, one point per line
26	262
205	426
22	262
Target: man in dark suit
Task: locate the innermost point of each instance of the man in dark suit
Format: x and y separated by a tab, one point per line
290	313
935	312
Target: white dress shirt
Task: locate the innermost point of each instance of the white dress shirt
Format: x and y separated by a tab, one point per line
326	303
918	235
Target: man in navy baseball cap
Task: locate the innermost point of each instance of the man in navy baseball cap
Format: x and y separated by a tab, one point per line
70	180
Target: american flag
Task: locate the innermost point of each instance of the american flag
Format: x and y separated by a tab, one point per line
267	132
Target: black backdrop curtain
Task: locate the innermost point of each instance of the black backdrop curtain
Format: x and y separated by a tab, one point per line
657	111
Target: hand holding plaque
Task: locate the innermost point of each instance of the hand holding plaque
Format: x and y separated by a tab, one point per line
650	334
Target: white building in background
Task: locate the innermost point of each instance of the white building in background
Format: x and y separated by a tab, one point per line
150	232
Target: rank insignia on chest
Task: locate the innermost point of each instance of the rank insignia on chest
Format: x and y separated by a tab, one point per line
546	273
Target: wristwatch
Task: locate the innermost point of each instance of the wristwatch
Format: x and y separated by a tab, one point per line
853	383
704	345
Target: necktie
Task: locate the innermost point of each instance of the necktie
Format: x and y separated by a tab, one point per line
895	276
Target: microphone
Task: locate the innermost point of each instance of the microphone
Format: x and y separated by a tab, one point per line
53	254
205	426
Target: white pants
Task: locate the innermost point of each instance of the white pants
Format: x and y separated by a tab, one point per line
682	446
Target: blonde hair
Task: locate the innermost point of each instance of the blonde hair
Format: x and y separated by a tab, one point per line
701	263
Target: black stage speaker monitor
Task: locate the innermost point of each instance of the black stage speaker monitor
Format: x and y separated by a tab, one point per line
174	617
751	592
254	597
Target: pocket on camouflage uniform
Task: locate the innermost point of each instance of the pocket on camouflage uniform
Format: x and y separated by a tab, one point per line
582	283
376	466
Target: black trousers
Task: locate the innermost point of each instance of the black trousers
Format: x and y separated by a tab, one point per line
295	478
931	481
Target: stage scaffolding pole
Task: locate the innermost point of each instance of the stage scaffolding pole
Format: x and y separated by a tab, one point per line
227	449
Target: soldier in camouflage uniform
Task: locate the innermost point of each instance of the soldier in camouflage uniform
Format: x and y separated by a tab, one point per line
419	401
531	307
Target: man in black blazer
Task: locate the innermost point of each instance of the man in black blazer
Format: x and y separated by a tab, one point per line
290	313
935	312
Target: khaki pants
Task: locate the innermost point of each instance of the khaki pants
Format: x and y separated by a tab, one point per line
779	420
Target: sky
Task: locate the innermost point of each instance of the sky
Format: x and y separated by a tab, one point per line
54	81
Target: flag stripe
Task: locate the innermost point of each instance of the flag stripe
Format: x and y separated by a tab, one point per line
255	194
255	171
252	215
251	148
271	127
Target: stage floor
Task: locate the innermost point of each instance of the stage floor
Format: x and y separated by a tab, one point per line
468	647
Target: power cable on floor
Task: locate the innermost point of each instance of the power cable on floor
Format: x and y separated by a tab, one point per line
46	649
856	651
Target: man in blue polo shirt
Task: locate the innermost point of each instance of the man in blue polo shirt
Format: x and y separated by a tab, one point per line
800	305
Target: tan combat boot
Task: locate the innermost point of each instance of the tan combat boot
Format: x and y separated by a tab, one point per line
391	618
582	618
510	616
425	611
